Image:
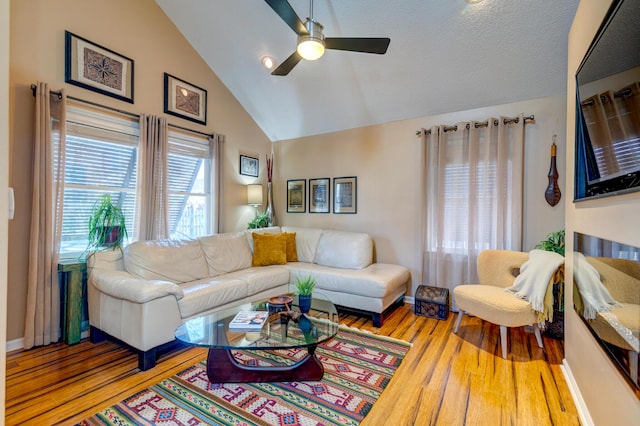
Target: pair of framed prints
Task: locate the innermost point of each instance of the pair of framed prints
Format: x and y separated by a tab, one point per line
93	67
345	191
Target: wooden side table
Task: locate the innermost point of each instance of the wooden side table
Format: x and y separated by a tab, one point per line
72	274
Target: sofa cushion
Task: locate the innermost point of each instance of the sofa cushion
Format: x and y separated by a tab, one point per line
346	250
203	295
269	230
306	242
168	260
292	254
226	253
377	280
262	278
269	249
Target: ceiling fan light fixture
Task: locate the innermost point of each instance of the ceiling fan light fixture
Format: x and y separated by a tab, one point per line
311	45
310	48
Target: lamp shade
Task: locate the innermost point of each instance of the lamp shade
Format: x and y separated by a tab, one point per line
254	194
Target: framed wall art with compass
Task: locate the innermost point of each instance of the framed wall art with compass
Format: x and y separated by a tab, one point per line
97	68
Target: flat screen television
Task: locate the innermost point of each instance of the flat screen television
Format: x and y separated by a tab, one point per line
608	107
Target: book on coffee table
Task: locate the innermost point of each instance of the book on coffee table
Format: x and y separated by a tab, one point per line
248	320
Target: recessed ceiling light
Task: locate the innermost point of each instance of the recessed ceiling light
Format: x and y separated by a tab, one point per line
268	62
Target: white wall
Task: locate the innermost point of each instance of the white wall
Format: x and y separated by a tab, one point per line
386	158
4	184
608	397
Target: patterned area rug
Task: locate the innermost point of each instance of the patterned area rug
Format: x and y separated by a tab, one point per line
358	366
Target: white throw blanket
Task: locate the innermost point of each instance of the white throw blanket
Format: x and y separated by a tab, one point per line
535	274
595	296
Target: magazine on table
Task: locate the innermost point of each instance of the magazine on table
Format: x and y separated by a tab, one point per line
249	320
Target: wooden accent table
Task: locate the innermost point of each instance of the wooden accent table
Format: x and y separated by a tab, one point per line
72	274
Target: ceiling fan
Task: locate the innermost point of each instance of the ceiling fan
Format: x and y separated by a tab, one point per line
311	41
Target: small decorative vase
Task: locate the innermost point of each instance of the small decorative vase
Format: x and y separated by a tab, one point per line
270	211
304	302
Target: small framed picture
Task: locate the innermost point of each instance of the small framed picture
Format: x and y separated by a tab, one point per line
249	166
296	196
345	194
184	100
97	68
319	191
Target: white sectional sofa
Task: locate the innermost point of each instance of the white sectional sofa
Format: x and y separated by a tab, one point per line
140	296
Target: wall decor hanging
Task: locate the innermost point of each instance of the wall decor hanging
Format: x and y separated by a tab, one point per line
345	190
319	192
296	196
97	68
184	100
249	166
553	194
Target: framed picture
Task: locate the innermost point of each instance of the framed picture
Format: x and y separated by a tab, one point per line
319	190
184	100
97	68
249	166
345	191
296	196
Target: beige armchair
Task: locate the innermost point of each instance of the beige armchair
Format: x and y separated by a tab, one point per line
489	301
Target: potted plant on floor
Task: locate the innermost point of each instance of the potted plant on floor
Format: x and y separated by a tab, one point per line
107	228
305	288
555	243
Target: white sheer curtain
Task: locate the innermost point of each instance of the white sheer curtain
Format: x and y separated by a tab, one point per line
152	201
472	186
42	320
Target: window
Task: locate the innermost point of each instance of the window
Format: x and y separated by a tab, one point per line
101	157
189	185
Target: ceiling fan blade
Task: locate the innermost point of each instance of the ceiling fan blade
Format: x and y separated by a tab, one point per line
288	64
356	44
288	15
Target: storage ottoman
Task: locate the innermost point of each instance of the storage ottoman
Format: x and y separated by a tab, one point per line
432	302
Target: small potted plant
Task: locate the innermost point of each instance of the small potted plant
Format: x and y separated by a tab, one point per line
305	288
107	228
260	221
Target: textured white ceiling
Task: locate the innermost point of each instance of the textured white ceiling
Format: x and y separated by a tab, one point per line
444	56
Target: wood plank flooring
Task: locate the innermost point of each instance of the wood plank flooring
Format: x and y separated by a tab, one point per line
445	379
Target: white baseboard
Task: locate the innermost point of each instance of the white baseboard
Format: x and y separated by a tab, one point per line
17	344
14	345
410	300
583	411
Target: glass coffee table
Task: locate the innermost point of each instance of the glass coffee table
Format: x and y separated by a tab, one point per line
285	328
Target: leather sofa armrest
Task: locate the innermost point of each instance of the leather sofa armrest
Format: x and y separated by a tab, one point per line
122	285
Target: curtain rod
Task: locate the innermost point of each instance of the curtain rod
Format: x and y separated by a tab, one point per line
621	94
482	124
130	114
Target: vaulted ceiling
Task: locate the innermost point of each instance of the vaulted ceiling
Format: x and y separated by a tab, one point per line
444	56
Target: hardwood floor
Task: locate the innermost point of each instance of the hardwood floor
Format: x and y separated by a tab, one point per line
445	379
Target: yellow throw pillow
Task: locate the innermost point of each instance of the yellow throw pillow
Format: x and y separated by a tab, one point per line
292	251
269	249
